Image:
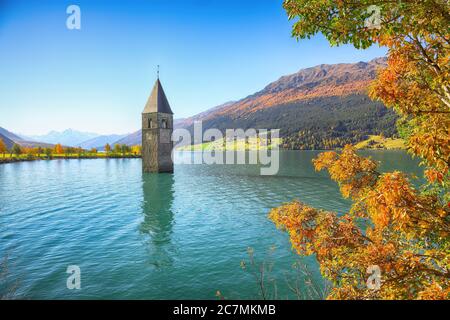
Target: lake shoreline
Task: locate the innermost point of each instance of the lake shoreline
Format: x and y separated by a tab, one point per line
34	158
14	160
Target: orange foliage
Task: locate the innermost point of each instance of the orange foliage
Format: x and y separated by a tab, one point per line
404	232
253	104
59	149
3	148
392	224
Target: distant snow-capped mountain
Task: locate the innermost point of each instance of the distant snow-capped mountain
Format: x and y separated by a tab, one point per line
69	137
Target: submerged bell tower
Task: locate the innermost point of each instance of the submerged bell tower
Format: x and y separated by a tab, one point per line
157	128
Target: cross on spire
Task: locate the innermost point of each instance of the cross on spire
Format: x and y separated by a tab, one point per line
157	73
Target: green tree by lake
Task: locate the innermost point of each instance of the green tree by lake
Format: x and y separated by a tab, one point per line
107	149
117	148
16	149
48	152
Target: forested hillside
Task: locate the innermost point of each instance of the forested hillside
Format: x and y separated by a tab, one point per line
323	107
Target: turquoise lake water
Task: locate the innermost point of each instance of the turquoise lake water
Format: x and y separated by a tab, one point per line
156	236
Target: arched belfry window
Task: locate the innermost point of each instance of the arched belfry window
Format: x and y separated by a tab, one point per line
150	123
164	123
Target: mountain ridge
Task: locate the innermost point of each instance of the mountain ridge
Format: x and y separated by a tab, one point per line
11	138
318	81
323	106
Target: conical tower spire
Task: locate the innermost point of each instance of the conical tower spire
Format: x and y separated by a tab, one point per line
157	102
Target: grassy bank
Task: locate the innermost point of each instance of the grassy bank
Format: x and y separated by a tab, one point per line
379	142
8	158
251	144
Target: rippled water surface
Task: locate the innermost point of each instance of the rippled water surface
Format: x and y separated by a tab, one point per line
154	236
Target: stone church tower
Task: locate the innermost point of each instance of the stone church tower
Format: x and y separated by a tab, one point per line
157	128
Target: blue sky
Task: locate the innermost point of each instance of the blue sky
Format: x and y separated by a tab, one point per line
98	79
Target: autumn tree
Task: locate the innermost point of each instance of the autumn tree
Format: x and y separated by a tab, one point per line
94	150
136	149
3	148
59	149
29	151
403	230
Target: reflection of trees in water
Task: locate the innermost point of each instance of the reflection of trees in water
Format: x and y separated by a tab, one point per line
158	216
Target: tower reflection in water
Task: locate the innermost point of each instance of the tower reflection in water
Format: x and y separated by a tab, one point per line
157	203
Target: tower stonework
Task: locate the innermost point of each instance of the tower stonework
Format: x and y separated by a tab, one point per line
157	128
